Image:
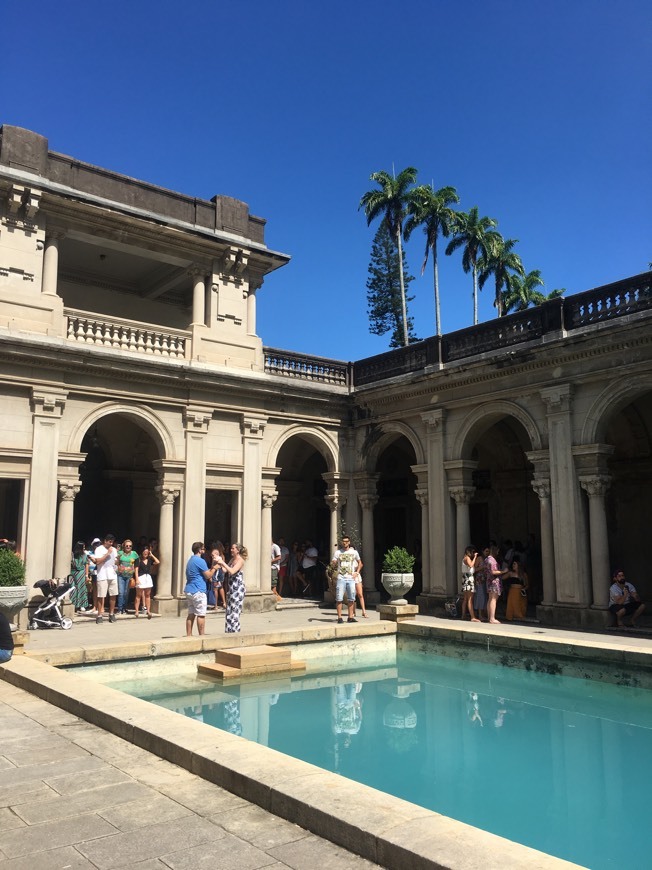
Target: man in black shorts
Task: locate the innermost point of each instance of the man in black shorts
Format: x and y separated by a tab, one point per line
624	600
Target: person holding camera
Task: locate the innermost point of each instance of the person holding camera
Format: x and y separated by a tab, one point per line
624	600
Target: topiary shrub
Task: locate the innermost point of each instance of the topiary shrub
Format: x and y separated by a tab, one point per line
12	569
398	561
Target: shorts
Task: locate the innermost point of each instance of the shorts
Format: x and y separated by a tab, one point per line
144	581
345	583
107	587
197	602
274	577
468	583
5	655
629	608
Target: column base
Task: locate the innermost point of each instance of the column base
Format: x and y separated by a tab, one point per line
371	596
259	602
573	616
397	612
165	605
432	603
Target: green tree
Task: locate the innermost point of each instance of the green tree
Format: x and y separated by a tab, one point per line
475	235
431	209
522	291
390	202
384	288
501	262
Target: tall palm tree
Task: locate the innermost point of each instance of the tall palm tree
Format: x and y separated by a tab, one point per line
522	292
390	202
432	210
501	263
476	235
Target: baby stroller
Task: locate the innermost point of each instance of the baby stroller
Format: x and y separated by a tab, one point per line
453	607
48	613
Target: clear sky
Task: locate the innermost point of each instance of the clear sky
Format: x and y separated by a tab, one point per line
538	113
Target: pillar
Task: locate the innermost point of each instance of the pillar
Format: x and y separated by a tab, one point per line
462	496
196	421
253	427
164	598
51	263
63	548
268	497
596	487
367	503
570	544
438	513
333	505
459	473
198	297
542	488
251	312
422	498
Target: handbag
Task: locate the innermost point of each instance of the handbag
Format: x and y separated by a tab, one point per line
132	582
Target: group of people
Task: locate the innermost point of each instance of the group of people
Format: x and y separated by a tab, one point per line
485	577
208	571
107	573
295	568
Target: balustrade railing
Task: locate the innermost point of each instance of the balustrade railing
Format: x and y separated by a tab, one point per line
307	368
126	335
612	300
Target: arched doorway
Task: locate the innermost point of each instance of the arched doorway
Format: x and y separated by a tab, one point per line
629	431
300	512
118	479
397	514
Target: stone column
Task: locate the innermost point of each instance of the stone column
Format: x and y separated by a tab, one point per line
367	503
461	489
568	524
63	549
422	498
164	600
439	508
51	262
251	312
596	487
198	297
268	498
333	505
462	496
335	499
47	410
253	426
196	420
542	488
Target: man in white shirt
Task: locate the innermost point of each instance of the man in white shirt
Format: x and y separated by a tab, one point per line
349	564
624	600
282	565
309	565
276	561
107	577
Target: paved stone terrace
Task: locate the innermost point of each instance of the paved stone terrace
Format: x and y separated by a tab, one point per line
75	796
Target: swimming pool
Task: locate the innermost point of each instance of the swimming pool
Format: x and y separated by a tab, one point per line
554	762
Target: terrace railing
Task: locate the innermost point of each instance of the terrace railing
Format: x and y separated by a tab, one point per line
129	335
612	300
306	368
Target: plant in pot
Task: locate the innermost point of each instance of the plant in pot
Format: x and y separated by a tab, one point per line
13	592
397	576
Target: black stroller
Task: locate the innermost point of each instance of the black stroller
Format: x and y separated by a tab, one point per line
48	613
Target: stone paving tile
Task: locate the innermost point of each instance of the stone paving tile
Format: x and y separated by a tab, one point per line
65	858
30	792
74	782
89	801
160	773
39	838
203	798
39	772
258	827
4	762
62	750
9	820
229	852
311	851
107	746
139	814
150	864
124	850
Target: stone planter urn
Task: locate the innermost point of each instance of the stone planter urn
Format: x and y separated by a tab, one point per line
12	601
397	586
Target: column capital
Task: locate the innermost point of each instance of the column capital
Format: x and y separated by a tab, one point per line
367	501
333	501
196	271
54	235
166	495
46	404
268	498
558	399
434	420
595	485
68	490
253	425
461	494
196	419
422	496
541	485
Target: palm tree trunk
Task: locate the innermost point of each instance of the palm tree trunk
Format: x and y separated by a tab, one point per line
437	308
499	299
406	339
475	295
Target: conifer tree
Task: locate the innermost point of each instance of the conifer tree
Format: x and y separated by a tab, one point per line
384	289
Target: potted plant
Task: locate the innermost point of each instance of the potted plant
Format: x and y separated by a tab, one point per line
397	576
13	592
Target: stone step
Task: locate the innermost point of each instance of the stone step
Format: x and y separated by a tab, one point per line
249	657
225	673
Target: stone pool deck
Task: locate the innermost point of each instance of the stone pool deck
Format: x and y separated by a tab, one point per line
92	778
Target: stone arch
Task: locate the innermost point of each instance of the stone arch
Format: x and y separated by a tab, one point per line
315	436
612	399
380	436
483	418
146	419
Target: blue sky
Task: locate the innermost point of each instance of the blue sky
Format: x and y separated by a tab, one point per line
538	113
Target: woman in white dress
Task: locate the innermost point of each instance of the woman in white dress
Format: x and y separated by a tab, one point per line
468	582
144	581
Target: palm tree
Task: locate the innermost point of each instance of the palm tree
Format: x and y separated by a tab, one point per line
476	235
391	202
500	263
432	210
521	292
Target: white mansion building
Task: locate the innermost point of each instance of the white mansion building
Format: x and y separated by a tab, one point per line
138	399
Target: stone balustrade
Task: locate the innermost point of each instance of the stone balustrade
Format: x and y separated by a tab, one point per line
129	335
305	367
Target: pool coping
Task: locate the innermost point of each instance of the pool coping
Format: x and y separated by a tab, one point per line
379	827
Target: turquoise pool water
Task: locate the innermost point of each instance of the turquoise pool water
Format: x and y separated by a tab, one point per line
560	764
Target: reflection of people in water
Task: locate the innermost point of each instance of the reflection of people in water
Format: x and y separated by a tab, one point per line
347	710
473	708
501	710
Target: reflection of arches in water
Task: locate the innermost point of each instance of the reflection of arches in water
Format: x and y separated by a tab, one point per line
118	479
